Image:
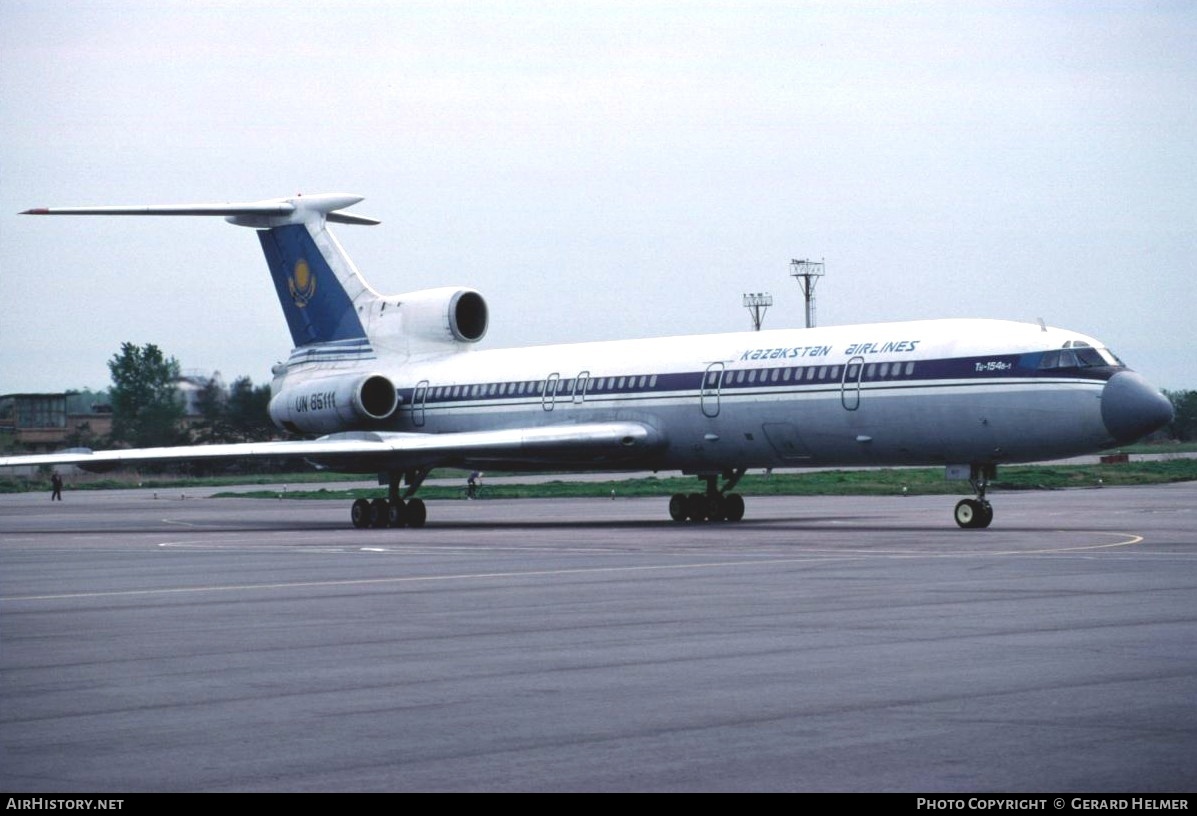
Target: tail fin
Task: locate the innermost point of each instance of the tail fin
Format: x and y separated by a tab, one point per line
318	286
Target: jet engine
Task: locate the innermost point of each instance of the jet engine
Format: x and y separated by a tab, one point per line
448	314
332	404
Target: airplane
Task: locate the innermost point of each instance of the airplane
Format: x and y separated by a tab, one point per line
396	386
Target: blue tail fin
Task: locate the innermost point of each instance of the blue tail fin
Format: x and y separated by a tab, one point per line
313	296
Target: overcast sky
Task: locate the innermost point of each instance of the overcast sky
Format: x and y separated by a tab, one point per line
601	170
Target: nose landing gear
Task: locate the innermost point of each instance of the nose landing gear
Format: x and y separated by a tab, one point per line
976	513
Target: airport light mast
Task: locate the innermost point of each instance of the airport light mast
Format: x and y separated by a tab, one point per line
757	304
807	273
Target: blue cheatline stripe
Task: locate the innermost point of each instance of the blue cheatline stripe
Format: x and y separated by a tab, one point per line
966	371
317	308
341	350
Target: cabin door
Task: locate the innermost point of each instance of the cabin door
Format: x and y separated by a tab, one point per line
712	383
550	391
417	403
850	384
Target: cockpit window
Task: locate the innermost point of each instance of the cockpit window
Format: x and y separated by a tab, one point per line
1078	354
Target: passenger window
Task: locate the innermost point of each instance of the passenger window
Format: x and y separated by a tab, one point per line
823	372
909	369
883	371
652	381
752	376
775	375
643	380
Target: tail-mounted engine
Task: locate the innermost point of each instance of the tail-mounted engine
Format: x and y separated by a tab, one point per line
332	404
448	314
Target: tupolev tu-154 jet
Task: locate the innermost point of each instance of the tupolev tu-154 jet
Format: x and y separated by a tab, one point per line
396	386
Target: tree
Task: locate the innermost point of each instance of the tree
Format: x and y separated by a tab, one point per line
146	409
1184	424
239	414
248	415
212	401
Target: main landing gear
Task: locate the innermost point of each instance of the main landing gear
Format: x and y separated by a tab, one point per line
394	510
716	504
976	513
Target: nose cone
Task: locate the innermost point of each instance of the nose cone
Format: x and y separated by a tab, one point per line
1131	407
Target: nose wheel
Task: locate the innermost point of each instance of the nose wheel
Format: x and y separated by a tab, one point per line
973	513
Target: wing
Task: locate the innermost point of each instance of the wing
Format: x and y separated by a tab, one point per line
591	444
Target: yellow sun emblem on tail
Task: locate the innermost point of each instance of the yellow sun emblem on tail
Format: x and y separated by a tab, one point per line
302	284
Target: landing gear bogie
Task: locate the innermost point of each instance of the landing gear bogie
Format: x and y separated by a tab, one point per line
716	504
395	510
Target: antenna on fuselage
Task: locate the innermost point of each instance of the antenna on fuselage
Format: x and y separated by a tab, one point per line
807	273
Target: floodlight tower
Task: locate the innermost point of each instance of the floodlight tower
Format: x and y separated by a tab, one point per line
807	273
757	304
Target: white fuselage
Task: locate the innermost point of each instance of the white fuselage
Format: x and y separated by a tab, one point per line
924	392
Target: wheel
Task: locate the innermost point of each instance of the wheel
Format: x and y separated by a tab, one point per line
677	507
986	514
696	507
417	513
733	507
397	513
971	514
380	513
359	514
715	508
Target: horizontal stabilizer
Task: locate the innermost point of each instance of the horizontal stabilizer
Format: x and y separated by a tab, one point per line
259	214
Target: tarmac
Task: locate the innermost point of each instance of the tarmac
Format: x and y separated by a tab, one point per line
822	644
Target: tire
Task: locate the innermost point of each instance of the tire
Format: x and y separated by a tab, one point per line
677	507
696	507
986	514
969	514
359	514
733	507
417	513
397	513
380	513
